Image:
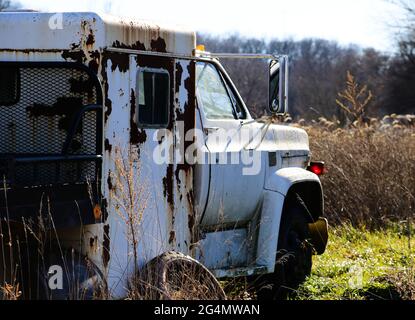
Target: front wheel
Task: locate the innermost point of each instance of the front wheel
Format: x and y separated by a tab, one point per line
294	255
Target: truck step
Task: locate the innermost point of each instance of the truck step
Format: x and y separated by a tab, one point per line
239	272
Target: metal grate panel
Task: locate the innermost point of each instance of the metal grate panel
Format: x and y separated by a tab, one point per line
39	123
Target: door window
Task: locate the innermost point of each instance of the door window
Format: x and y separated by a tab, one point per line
213	93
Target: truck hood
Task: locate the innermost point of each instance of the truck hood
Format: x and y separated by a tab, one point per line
273	138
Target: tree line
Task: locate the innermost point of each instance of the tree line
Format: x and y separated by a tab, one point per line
318	70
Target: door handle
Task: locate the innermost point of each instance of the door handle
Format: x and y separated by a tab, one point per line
211	129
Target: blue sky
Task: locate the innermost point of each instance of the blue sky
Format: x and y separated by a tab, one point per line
363	22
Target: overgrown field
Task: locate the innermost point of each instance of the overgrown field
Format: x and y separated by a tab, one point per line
363	265
370	178
369	193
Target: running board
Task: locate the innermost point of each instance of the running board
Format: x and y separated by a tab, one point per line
239	272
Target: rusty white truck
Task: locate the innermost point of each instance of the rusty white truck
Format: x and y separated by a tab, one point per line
126	153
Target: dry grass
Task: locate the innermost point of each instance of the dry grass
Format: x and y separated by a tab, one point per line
174	276
371	173
404	284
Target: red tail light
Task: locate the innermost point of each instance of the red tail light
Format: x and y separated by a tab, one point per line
317	168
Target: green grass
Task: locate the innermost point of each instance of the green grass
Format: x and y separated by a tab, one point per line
362	265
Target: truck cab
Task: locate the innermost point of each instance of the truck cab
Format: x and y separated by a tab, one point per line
133	143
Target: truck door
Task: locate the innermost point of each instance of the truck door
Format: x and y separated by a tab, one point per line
236	182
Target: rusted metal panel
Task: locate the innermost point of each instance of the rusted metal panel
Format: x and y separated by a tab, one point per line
89	32
233	253
184	226
167	219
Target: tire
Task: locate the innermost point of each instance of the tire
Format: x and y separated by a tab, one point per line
81	279
175	276
27	266
294	256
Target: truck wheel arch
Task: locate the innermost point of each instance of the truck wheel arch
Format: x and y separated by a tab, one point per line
305	183
311	193
278	186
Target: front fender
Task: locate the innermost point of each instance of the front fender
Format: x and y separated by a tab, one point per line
277	186
282	180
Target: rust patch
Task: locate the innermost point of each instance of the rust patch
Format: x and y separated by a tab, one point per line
107	146
93	64
108	102
172	237
65	107
179	73
188	117
120	61
182	167
75	46
90	40
77	56
109	181
168	186
137	136
93	242
135	46
158	45
106	246
191	224
191	217
28	51
104	206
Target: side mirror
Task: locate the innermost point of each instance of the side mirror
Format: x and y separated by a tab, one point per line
278	85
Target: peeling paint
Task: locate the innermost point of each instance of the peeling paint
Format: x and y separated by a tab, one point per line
107	145
178	79
135	46
76	56
94	63
90	40
108	101
188	118
109	181
172	237
168	186
137	136
106	246
120	61
158	45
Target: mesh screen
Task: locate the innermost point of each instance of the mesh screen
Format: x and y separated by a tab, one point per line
38	125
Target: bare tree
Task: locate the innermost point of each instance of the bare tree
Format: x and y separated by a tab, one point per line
317	67
4	5
401	74
7	4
